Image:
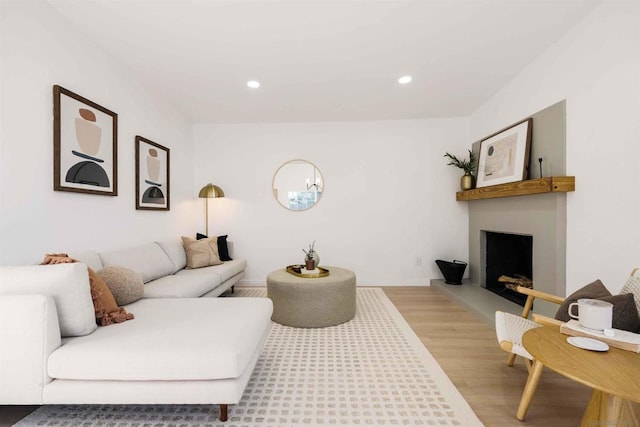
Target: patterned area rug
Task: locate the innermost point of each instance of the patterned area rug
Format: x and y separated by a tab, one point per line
372	370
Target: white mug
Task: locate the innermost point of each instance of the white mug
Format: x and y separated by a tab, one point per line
592	313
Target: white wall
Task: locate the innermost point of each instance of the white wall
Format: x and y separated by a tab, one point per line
40	49
596	68
388	195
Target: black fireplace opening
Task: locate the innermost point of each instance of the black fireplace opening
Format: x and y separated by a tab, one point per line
510	255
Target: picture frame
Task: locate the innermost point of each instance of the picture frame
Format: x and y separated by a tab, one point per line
153	190
85	145
504	156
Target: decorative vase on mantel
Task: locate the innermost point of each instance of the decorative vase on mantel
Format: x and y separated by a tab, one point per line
467	181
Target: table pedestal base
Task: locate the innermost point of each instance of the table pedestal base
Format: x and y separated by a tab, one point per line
606	410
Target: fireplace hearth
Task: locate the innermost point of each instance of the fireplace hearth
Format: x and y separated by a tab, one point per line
508	254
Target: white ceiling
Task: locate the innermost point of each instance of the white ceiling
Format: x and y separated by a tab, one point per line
324	60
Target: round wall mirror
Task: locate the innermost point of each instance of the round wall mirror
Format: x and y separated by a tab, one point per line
298	185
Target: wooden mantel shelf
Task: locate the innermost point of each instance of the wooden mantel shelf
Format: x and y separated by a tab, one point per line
553	184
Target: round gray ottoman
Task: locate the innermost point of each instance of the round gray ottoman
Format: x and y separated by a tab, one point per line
312	302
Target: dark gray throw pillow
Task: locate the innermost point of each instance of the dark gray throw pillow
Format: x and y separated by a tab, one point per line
594	290
625	312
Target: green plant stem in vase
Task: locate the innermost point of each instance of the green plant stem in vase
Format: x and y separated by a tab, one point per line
467	181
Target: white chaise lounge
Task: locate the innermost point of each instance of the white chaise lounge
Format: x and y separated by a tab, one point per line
175	351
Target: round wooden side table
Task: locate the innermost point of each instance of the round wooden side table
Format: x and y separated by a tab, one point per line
613	375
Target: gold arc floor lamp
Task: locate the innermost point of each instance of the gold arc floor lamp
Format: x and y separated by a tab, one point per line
207	192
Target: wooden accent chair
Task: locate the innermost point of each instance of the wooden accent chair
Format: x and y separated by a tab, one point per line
510	328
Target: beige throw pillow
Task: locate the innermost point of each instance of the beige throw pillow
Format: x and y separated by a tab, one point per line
125	285
201	253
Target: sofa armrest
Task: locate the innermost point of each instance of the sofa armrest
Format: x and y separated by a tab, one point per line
29	333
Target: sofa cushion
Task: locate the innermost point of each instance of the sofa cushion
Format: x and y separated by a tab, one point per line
67	284
181	285
171	339
175	251
149	260
91	258
125	285
201	253
225	271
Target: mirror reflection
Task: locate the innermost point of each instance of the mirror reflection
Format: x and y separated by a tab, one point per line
298	185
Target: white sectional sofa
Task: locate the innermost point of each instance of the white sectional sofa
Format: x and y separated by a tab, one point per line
175	351
161	266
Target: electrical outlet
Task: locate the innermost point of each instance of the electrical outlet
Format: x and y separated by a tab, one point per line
418	261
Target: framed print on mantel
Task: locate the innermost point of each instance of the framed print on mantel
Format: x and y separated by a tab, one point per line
504	156
85	145
152	175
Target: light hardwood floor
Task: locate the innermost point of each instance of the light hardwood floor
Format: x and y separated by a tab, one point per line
467	350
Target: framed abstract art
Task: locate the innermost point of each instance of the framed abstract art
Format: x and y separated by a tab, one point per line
85	145
152	175
504	156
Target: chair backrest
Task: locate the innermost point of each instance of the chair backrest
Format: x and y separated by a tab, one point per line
633	287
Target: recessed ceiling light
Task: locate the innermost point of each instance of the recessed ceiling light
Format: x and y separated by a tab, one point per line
253	84
404	80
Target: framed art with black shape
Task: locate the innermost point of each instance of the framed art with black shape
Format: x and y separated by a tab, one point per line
504	156
152	176
85	145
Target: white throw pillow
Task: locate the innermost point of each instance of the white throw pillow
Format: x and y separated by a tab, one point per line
67	284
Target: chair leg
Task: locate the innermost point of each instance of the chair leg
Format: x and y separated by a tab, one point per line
511	360
529	389
528	363
223	412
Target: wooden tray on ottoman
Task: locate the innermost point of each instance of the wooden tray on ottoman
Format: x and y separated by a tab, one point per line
299	270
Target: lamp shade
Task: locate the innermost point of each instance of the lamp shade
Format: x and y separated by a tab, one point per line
210	191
